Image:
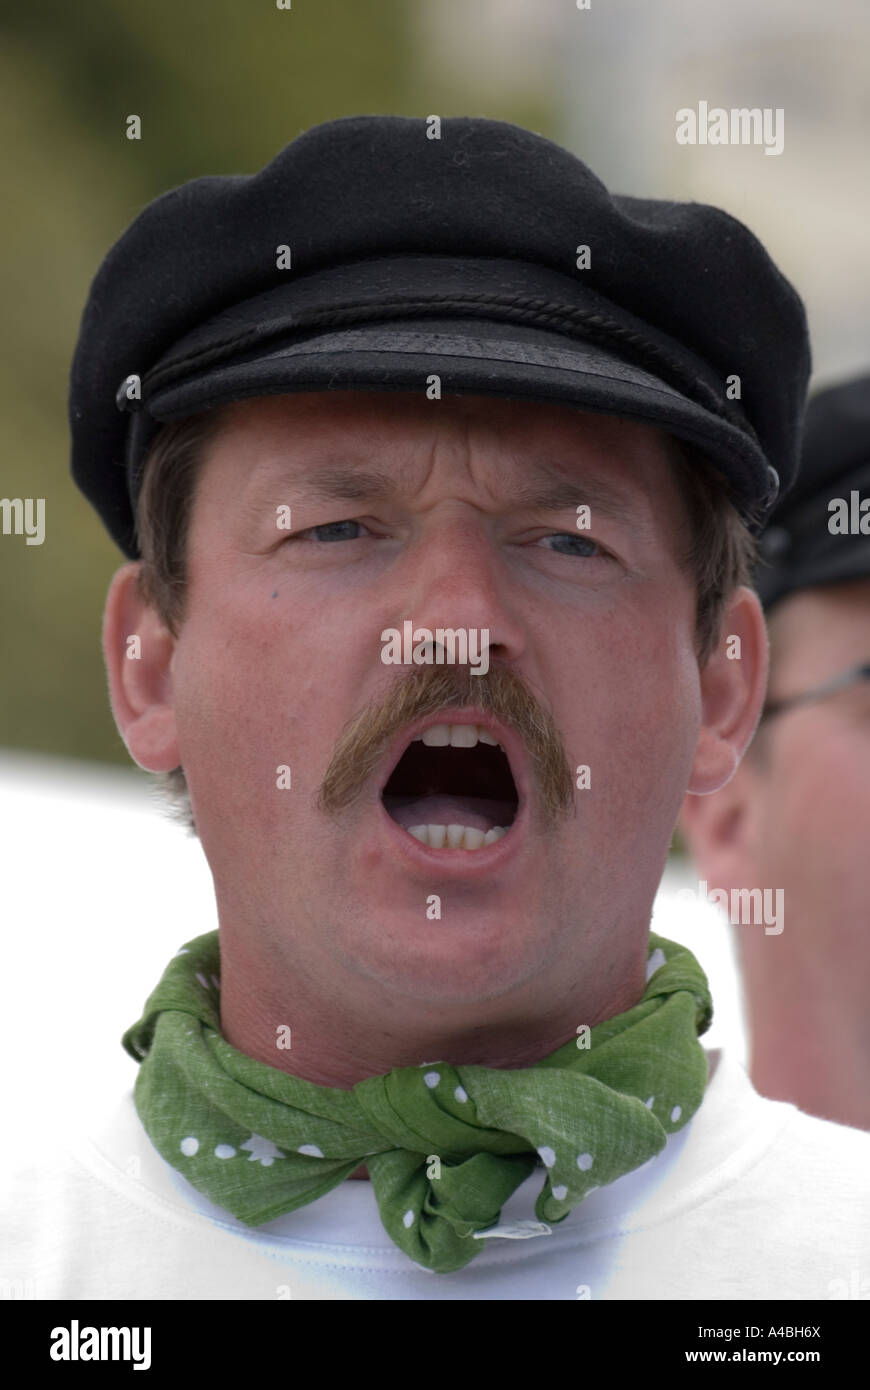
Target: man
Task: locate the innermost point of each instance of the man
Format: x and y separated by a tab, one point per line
795	816
431	579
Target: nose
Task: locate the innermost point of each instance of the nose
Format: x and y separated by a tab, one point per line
455	576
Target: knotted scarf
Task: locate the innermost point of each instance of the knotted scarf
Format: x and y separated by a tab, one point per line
445	1146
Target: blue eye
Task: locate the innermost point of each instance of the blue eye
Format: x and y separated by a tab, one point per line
577	545
334	531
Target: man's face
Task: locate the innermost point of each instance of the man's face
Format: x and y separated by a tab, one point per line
458	514
808	797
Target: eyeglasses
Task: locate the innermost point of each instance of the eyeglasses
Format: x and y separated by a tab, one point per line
820	692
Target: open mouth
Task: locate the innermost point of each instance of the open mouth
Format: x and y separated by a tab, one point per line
453	788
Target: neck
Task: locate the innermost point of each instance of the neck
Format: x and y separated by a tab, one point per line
337	1040
808	1045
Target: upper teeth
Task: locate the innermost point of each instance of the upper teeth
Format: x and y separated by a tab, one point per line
456	735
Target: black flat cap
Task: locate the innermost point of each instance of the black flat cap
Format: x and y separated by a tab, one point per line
461	256
820	534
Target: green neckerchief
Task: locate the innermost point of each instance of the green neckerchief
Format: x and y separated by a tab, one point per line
445	1146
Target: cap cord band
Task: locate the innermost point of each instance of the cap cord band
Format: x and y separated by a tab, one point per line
576	321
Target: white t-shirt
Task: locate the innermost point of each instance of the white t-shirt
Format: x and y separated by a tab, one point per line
752	1199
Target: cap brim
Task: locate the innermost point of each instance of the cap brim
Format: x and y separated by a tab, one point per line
274	344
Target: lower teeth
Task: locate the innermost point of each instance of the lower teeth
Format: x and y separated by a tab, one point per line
455	836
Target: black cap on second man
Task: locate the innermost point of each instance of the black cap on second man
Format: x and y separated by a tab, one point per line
820	533
375	252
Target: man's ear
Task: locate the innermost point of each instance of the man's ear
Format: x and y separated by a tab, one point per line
138	651
733	683
716	830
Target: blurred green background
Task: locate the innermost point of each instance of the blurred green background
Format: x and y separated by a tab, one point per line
222	85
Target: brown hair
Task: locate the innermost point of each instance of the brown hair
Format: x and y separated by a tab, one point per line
163	511
720	554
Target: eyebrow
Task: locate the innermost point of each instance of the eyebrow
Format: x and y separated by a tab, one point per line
552	493
348	484
558	494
